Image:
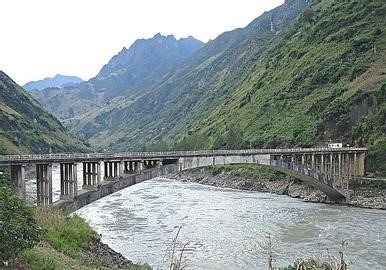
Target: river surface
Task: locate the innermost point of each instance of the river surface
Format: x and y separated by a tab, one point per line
224	228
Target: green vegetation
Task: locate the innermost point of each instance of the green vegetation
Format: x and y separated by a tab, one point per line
18	228
69	236
26	128
318	77
247	171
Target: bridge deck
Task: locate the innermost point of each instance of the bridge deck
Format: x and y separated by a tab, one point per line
79	157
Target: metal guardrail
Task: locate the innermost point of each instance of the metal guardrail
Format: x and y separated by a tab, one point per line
8	159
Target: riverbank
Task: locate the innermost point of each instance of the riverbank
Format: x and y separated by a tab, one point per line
69	243
364	193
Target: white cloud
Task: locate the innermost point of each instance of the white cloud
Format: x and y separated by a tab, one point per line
40	38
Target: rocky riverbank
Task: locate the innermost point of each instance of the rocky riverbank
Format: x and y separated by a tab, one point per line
366	197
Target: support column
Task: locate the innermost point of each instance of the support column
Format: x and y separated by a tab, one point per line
340	176
322	163
106	170
99	174
68	180
331	167
355	166
348	164
313	162
121	167
18	180
303	159
44	184
361	164
92	175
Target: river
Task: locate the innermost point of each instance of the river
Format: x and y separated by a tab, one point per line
223	227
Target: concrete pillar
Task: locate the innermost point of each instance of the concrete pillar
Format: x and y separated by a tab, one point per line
340	176
75	177
115	173
110	174
303	159
68	181
18	180
99	174
361	164
44	184
106	170
292	158
331	167
313	162
348	164
121	167
92	174
355	166
322	163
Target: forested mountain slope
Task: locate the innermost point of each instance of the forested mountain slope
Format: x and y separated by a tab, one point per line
26	128
194	89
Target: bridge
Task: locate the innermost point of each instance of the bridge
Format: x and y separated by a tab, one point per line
327	169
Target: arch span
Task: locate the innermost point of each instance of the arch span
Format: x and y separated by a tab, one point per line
307	175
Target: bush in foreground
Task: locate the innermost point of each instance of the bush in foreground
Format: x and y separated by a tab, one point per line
18	228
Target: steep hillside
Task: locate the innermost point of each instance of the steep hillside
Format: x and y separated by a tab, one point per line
194	89
323	79
127	76
26	128
59	81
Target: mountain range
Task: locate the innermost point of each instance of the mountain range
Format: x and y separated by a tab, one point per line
59	81
25	127
303	74
128	74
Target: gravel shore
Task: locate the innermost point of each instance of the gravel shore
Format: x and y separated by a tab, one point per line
365	197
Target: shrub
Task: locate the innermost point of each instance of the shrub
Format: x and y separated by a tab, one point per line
18	228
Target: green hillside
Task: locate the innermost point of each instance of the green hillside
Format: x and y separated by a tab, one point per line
26	128
323	79
194	89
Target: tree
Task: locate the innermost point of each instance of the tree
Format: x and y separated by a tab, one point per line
18	228
307	15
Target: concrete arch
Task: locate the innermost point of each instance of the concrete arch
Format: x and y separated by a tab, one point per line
307	175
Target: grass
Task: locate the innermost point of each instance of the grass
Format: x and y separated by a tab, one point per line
63	245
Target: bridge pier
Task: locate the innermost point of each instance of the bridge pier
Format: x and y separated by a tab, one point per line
151	164
68	181
91	175
44	184
113	170
132	167
18	180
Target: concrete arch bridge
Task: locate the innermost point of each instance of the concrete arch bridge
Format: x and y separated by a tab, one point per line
327	169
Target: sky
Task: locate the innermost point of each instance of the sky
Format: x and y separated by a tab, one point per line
41	38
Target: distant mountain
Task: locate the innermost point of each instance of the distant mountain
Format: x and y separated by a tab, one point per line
59	81
128	74
26	128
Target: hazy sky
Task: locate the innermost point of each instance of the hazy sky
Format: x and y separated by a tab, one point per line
40	38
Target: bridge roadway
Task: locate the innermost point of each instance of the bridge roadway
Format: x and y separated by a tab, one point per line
327	169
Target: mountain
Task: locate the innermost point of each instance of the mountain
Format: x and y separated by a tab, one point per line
26	128
59	81
128	75
192	91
